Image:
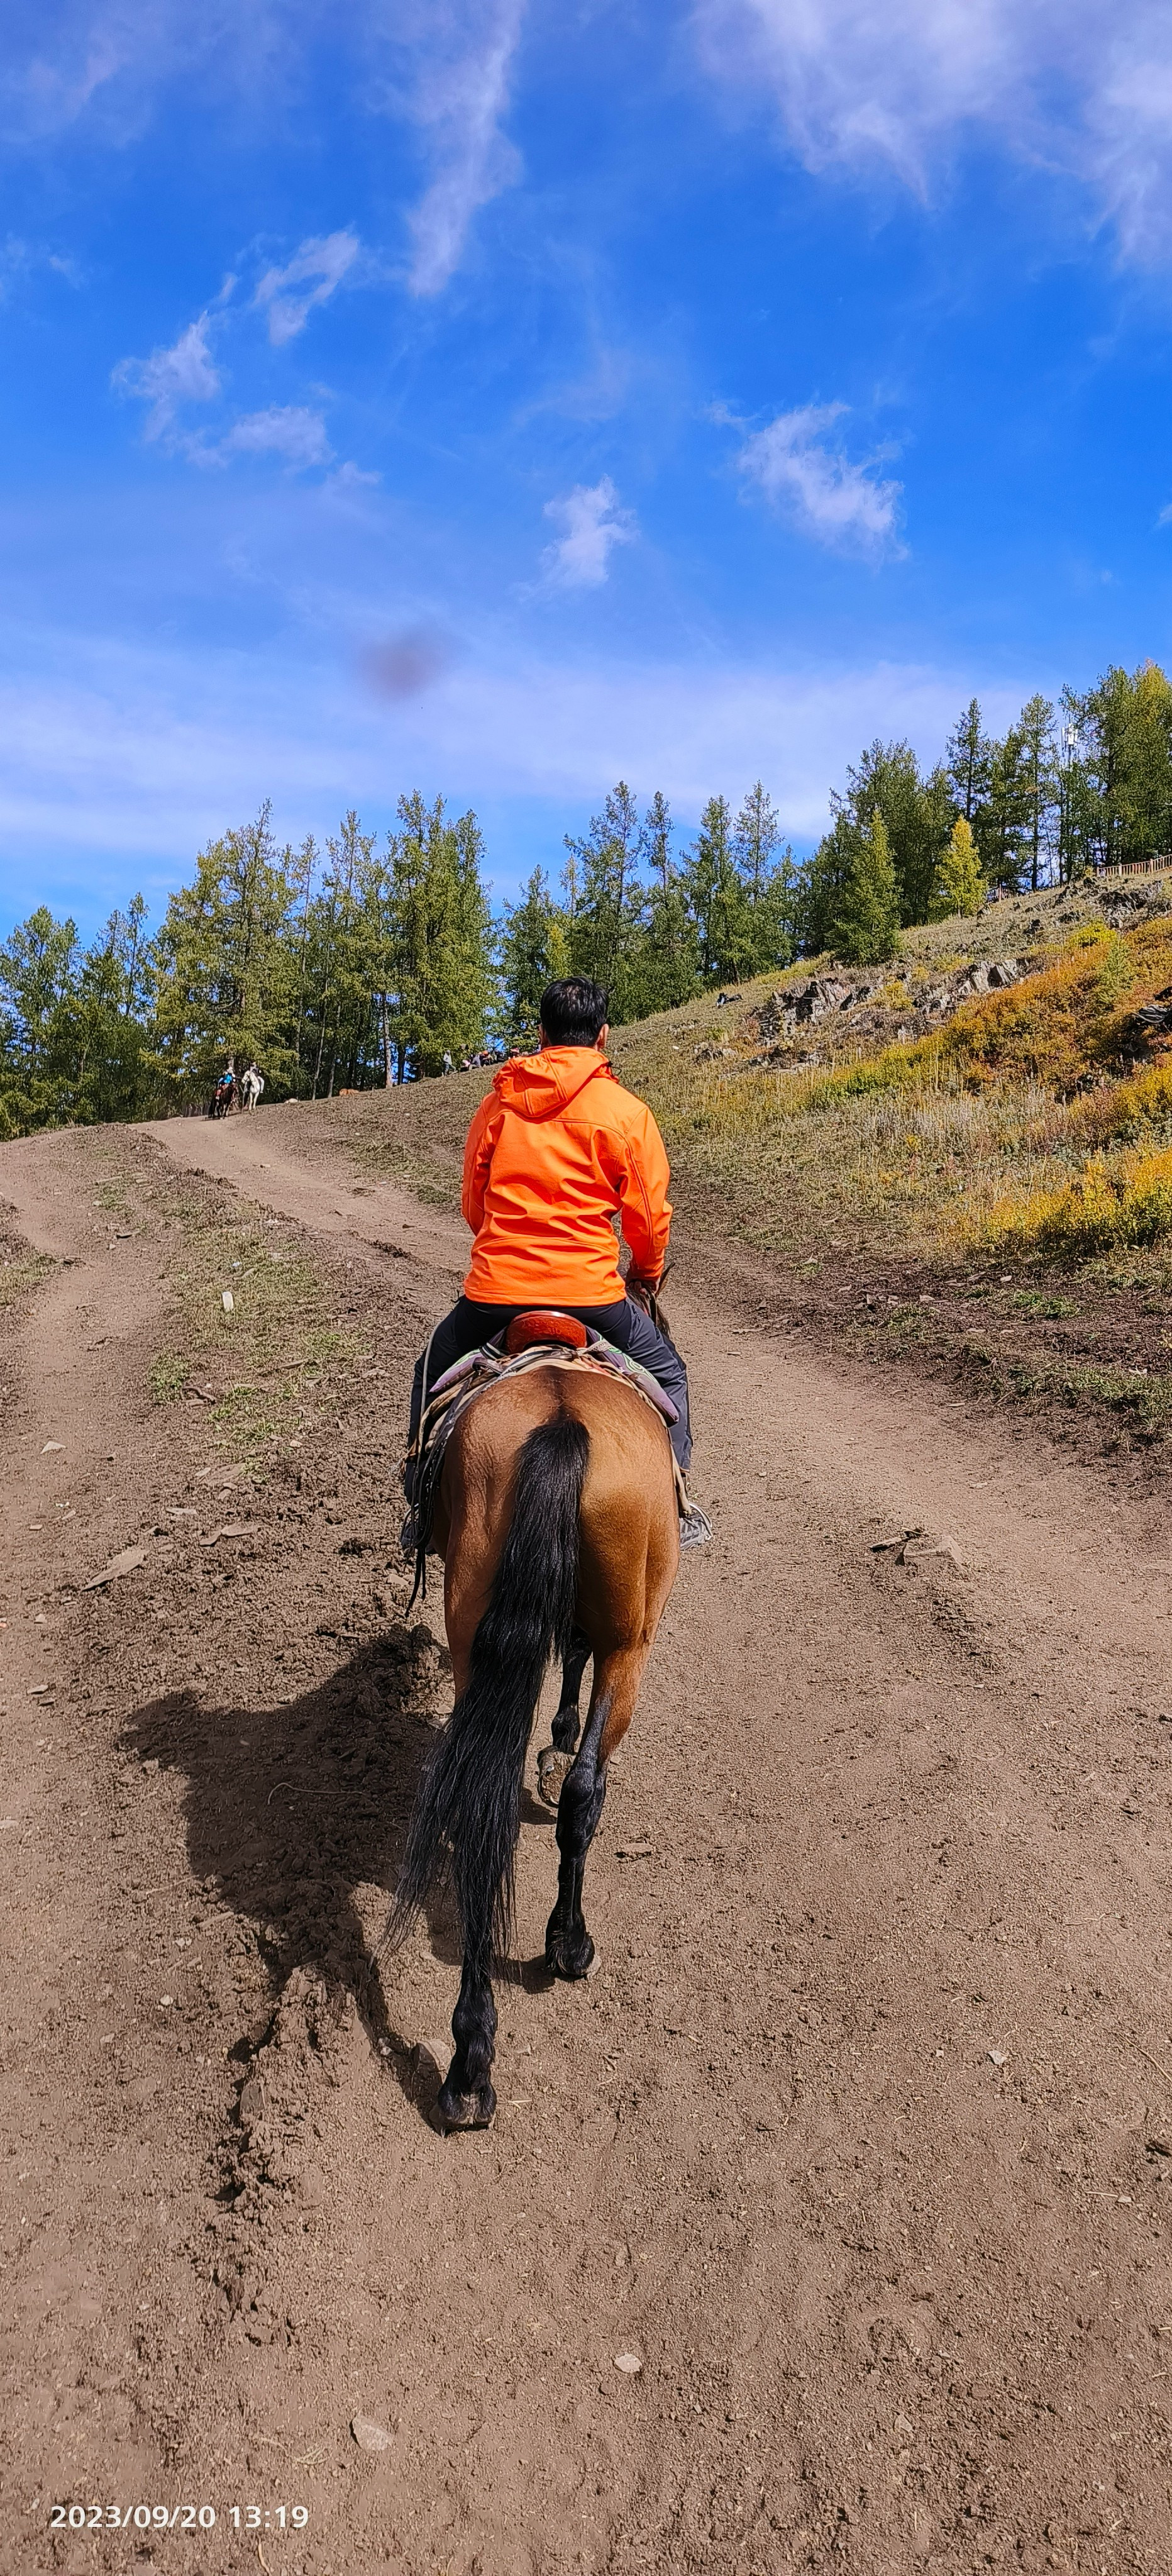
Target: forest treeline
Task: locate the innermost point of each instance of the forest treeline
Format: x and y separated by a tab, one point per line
372	960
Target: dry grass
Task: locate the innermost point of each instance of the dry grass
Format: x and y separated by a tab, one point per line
1020	1122
20	1272
271	1358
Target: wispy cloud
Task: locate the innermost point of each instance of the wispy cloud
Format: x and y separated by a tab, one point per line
288	430
458	97
108	60
591	521
184	373
1073	86
20	260
289	294
67	59
843	505
151	748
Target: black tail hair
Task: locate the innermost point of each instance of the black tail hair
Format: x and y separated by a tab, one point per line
469	1798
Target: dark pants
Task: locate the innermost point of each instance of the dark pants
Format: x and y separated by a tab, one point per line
625	1325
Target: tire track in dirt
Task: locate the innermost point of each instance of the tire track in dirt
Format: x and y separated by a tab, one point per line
855	2139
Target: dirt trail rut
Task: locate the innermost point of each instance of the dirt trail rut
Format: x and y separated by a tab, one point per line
858	2143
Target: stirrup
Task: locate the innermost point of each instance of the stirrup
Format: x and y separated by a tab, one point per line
695	1527
409	1535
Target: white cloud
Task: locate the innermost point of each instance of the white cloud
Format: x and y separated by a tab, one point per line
285	429
1081	87
591	522
842	505
311	277
184	373
444	65
128	749
458	97
65	59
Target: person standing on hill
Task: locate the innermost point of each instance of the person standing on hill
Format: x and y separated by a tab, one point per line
556	1150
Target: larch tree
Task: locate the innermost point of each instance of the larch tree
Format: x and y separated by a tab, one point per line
968	761
717	899
866	926
223	966
532	952
606	899
960	884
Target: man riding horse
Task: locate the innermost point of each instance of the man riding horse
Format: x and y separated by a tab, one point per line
552	1500
555	1151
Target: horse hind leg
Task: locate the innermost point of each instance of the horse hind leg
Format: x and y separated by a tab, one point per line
555	1759
466	2097
569	1950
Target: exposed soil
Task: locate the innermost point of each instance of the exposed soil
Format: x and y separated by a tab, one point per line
858	2141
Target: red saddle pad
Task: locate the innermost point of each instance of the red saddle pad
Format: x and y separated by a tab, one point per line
542	1326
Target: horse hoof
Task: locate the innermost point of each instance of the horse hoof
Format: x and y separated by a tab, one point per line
572	1962
464	2110
552	1767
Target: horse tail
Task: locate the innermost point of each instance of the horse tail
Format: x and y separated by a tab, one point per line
469	1798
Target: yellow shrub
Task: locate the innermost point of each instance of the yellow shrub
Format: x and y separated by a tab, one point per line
1097	1209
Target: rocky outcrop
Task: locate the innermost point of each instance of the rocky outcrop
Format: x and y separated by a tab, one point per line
805	1004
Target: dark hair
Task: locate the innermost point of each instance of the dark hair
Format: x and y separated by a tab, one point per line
573	1012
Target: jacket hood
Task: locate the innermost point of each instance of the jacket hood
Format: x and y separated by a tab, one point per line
539	1086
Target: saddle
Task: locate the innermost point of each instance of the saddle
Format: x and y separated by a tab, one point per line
539	1339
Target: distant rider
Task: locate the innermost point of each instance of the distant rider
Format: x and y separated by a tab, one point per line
252	1086
555	1150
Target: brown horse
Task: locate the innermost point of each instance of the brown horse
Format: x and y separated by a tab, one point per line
556	1518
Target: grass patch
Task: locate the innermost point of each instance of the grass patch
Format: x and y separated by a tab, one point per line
272	1357
429	1177
168	1377
20	1273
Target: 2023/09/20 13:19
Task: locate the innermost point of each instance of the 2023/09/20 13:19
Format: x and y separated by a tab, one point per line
177	2517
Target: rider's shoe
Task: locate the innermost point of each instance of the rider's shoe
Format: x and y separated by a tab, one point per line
695	1527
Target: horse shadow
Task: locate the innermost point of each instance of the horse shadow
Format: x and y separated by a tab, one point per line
289	1810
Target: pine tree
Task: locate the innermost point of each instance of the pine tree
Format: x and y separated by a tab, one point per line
1124	725
665	959
439	969
960	886
1035	729
606	900
866	928
532	951
717	899
968	761
1001	822
769	877
223	963
756	834
40	966
917	814
349	960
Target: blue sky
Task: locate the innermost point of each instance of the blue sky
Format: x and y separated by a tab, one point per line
502	396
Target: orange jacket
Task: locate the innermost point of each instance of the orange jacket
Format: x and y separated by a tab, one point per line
553	1151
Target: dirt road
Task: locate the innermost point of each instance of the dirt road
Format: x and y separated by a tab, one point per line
859	2141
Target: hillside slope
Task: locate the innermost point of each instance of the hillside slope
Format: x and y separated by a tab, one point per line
963	1161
